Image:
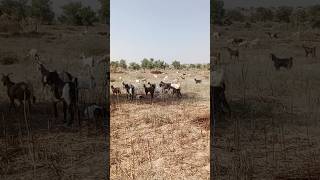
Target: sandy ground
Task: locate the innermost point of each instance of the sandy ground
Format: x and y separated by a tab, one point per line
273	130
167	138
48	150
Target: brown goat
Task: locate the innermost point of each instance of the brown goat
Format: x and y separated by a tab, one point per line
115	90
20	91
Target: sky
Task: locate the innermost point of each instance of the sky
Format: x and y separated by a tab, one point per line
254	3
161	29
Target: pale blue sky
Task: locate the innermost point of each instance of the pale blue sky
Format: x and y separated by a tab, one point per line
160	29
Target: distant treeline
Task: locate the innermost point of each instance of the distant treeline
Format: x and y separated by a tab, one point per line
73	13
152	64
285	14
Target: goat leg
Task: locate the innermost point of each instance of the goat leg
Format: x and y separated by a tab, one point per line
55	111
64	112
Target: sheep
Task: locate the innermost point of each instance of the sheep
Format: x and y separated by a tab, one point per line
281	62
233	53
115	90
21	91
130	90
149	89
63	92
198	81
309	50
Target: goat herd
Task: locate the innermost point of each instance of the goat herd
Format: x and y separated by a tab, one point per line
218	85
137	90
63	86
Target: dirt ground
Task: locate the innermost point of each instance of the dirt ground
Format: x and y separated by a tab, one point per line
37	146
272	132
163	138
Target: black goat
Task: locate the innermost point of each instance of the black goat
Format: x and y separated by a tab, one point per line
130	90
282	62
65	92
149	89
219	100
165	86
198	81
309	50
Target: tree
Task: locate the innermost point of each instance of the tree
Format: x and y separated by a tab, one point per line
217	11
314	16
176	64
192	66
74	13
88	16
283	14
123	64
134	66
114	64
104	11
17	8
42	11
262	14
145	63
235	15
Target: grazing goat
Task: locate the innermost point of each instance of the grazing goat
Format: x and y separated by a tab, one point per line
198	81
65	92
115	90
149	89
21	91
309	50
237	41
272	35
233	53
130	90
281	62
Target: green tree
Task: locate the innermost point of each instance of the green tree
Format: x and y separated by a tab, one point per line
134	66
123	64
145	63
217	11
42	11
283	14
88	16
71	13
192	66
314	16
262	14
17	8
235	15
115	64
176	64
104	11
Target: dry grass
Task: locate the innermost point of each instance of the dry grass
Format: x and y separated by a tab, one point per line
273	131
35	145
164	139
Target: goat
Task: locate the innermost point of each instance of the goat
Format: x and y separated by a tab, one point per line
216	58
309	50
244	44
197	81
21	91
165	86
237	41
149	89
33	53
218	90
272	35
87	61
176	90
115	90
130	90
281	62
216	35
63	92
233	53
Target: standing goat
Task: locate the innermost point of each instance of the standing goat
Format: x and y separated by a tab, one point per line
149	89
115	90
281	62
130	90
309	50
65	92
21	91
198	81
233	53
